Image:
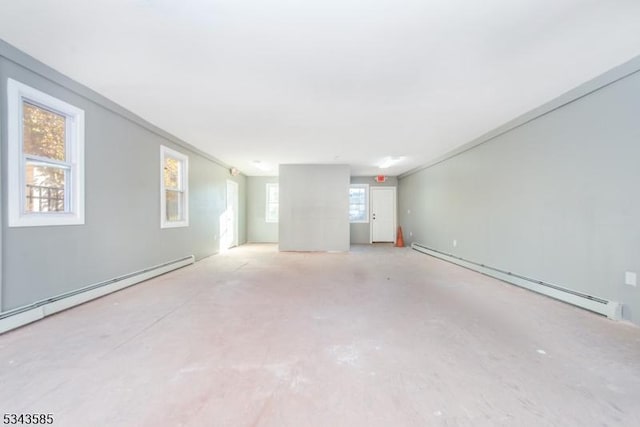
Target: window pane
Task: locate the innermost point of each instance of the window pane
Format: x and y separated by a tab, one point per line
356	195
43	132
272	212
44	188
171	173
273	193
357	204
272	202
356	213
174	205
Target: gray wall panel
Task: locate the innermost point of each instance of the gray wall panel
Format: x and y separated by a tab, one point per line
554	199
314	208
122	226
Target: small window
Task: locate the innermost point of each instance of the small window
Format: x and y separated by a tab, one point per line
174	192
46	159
359	203
273	203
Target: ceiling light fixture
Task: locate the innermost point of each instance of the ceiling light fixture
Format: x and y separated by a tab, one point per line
387	162
264	167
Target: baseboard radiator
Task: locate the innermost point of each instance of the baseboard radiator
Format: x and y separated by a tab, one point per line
611	309
38	310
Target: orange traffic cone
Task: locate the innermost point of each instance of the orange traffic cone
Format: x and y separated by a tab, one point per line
399	239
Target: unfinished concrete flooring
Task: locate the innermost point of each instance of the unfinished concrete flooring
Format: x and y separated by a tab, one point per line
379	336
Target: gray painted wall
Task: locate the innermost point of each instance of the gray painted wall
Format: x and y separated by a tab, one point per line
361	232
259	231
314	208
555	199
122	231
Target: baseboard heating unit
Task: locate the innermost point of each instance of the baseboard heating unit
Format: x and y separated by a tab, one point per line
611	309
30	313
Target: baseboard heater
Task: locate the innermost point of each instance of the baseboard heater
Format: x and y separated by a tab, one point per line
30	313
611	309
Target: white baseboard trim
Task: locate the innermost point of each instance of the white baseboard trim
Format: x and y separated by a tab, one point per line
611	309
23	315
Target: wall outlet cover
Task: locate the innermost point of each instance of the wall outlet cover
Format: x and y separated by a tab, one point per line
630	278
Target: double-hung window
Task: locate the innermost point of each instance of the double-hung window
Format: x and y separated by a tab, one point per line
46	159
174	191
359	203
273	203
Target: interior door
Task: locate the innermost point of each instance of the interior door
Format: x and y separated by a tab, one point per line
383	214
229	219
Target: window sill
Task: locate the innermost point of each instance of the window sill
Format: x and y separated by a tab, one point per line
45	220
174	224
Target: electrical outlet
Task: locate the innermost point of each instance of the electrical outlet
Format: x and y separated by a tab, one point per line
408	211
630	278
455	243
411	234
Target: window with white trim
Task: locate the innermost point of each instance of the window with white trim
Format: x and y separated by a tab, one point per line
273	203
174	188
359	203
46	159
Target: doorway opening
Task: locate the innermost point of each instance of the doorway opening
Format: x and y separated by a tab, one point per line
229	219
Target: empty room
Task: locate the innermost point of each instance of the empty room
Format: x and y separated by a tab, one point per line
320	213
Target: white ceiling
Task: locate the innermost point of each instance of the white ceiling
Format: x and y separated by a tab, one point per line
327	81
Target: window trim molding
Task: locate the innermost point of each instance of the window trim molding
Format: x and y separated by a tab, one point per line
366	207
267	219
168	152
17	93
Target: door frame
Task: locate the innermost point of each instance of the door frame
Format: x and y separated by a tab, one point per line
236	202
395	208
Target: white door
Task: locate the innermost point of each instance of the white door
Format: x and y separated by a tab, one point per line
229	219
383	214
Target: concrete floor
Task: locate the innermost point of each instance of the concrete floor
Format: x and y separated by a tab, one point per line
379	336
